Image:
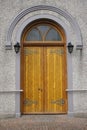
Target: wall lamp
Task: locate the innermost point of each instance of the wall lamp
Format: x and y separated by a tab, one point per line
17	47
70	47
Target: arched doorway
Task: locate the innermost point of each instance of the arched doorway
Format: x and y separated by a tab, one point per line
43	68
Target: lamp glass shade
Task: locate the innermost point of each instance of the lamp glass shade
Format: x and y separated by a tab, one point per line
17	47
70	47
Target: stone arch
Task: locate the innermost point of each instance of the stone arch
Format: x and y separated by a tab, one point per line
63	13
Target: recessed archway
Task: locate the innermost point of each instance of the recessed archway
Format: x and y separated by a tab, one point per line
18	38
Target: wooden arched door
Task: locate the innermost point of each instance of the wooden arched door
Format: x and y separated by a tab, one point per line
43	69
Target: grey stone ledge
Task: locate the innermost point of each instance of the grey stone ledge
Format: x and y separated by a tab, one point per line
79	47
76	90
10	91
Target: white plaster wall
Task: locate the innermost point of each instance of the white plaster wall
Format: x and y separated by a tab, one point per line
8	10
80	60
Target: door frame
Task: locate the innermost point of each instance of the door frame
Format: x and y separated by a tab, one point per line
42	43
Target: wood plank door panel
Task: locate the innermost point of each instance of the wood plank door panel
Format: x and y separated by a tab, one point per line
33	79
55	80
44	80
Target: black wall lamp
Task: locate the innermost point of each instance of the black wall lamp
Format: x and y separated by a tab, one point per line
70	47
17	47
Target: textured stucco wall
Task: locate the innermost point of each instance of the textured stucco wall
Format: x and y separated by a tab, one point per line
8	10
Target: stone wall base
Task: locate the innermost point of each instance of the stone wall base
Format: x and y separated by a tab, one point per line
78	114
71	114
7	115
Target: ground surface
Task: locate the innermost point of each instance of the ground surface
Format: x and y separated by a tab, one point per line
44	122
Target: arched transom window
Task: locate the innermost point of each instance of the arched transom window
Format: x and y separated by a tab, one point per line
43	32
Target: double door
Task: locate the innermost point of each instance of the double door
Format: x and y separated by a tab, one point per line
44	80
